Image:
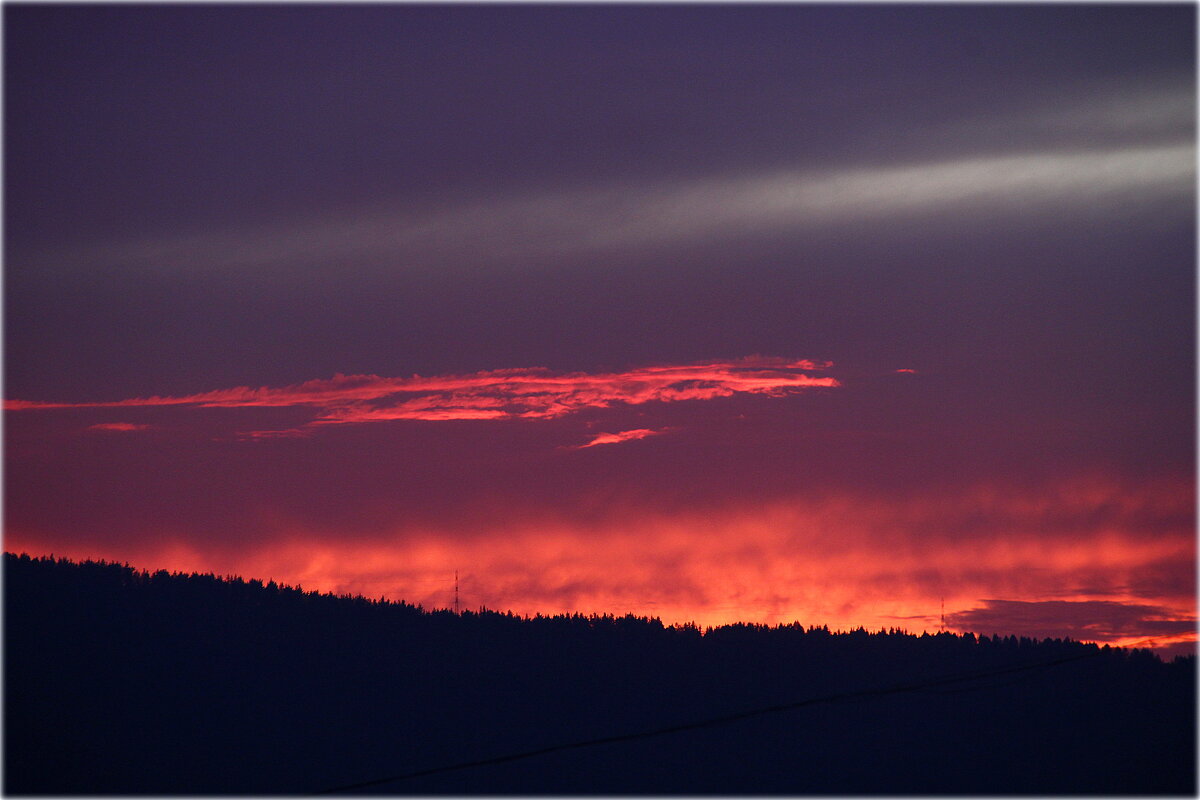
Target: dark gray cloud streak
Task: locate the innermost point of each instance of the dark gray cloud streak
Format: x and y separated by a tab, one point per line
1080	620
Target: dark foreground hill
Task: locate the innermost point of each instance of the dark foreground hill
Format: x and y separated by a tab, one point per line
124	682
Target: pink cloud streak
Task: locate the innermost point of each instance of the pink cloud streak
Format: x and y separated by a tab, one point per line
623	436
527	393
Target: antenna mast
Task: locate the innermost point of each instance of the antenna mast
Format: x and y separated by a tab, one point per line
456	592
943	614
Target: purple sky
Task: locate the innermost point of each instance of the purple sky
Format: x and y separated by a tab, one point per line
1000	199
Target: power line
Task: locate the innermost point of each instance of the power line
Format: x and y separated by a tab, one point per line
721	720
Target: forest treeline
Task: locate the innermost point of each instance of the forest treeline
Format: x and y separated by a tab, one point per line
125	681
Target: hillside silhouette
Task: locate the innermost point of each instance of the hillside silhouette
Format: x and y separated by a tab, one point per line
119	681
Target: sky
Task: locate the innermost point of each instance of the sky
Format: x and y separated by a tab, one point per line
839	314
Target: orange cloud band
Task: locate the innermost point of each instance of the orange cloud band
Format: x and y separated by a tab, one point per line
534	393
843	561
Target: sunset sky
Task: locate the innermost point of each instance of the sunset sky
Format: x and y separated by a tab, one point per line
711	313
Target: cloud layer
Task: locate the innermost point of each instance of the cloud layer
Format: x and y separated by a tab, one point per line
1125	149
844	560
496	394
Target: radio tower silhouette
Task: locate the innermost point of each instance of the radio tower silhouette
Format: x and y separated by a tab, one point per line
456	592
943	615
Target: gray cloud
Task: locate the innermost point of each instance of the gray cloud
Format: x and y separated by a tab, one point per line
593	220
1142	113
1110	152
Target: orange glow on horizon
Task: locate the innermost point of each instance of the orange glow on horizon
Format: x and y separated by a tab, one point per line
844	562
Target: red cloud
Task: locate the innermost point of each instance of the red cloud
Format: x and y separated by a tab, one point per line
534	393
623	436
117	426
289	433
